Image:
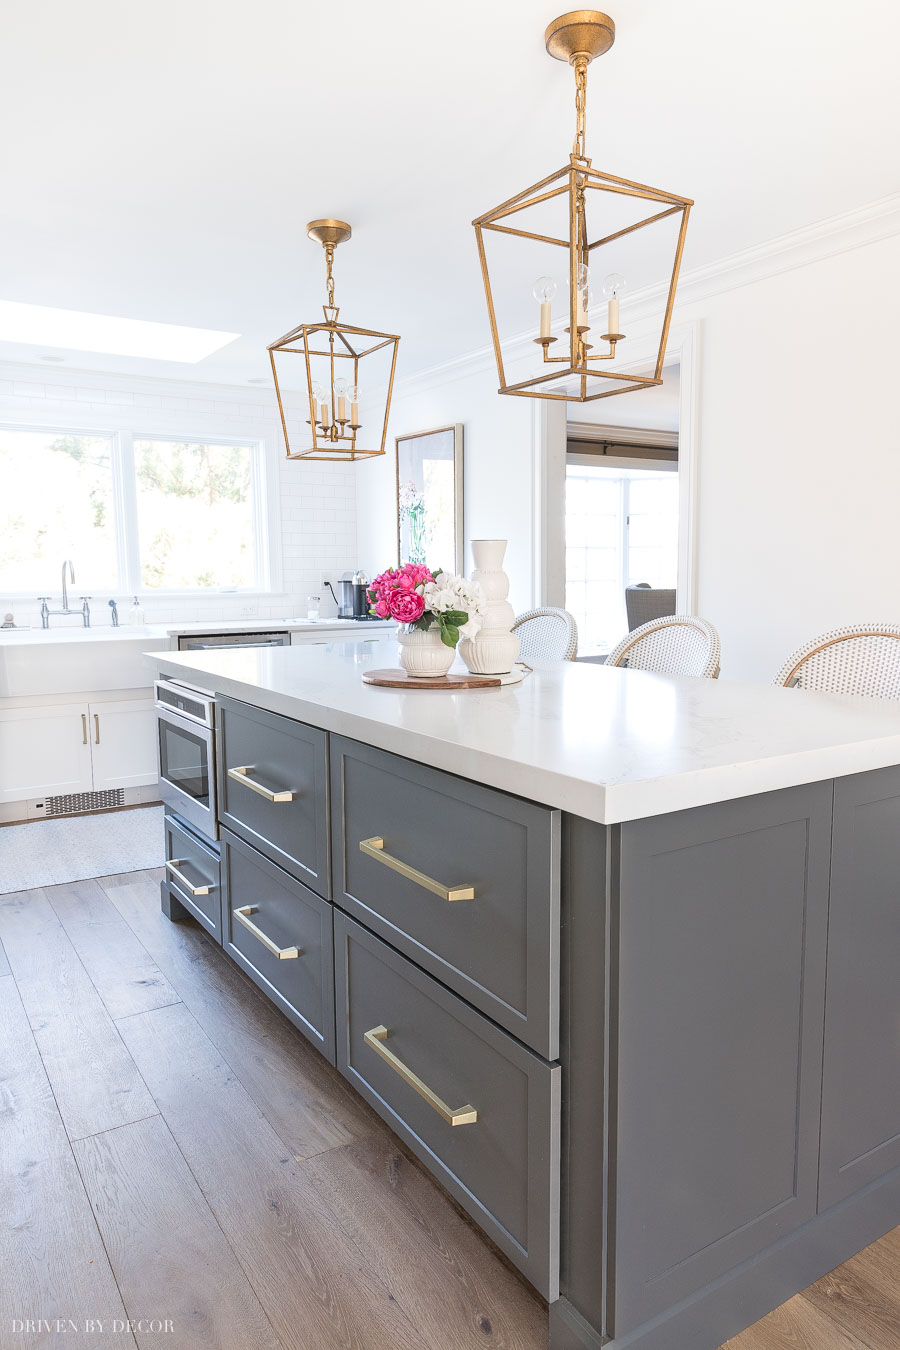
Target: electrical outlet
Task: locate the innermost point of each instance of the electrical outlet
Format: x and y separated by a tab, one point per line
245	612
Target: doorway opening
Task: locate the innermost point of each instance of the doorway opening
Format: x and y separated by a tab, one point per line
621	510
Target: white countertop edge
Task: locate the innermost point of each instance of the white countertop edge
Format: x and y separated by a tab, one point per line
608	804
151	632
722	783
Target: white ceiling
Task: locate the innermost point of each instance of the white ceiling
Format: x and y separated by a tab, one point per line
160	162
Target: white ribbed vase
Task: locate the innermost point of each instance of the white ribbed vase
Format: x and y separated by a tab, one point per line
422	653
495	650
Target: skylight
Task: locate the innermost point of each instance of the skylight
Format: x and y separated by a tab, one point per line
70	328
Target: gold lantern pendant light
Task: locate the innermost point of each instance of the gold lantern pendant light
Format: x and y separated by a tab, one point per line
342	369
610	203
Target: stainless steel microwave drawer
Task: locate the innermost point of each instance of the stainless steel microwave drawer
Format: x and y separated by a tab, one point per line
192	874
480	1110
461	878
279	932
273	788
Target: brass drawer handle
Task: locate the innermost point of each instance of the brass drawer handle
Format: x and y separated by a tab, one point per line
173	864
242	775
374	848
465	1115
242	915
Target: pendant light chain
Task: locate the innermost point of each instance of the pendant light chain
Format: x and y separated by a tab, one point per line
329	279
581	66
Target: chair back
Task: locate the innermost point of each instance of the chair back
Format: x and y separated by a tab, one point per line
643	603
863	658
678	645
547	634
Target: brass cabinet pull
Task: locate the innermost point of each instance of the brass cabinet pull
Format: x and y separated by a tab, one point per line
242	914
96	728
173	864
84	728
374	848
465	1115
242	775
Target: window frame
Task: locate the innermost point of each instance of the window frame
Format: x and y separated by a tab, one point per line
266	519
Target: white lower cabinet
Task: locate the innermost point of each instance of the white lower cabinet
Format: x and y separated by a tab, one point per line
63	748
123	743
44	751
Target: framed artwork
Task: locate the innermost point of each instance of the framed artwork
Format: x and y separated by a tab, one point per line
430	498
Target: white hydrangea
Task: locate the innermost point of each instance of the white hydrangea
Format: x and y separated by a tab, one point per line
448	592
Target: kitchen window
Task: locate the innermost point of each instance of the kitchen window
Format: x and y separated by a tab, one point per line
135	513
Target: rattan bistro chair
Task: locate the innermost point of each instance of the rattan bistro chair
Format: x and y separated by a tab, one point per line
547	634
863	658
679	645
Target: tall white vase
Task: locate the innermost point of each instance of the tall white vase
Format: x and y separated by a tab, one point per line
495	650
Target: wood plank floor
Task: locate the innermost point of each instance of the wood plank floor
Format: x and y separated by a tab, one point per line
173	1152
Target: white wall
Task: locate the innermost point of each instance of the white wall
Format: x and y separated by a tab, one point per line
316	503
499	497
799	457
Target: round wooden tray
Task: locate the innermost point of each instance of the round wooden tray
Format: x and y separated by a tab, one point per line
398	679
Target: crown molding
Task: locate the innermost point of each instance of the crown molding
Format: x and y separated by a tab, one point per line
613	435
798	248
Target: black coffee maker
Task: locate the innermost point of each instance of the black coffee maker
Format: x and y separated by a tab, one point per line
354	599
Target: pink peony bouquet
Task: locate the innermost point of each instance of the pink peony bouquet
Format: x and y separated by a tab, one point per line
415	596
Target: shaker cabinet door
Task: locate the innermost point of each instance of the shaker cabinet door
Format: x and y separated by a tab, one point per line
861	1087
721	923
123	743
44	751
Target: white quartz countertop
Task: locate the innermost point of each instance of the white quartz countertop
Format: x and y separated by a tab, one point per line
71	630
607	744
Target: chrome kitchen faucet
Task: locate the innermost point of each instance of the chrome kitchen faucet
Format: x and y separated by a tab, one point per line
85	607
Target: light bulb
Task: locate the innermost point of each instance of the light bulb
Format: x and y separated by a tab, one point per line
613	286
582	277
354	393
544	289
341	387
319	393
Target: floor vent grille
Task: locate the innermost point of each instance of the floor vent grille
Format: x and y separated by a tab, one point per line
71	803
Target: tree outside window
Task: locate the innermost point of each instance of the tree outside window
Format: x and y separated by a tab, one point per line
138	515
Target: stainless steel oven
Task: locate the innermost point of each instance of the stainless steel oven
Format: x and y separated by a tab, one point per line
185	743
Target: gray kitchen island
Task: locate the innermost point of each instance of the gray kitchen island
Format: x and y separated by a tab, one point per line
615	954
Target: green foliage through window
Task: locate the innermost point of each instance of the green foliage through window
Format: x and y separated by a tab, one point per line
194	504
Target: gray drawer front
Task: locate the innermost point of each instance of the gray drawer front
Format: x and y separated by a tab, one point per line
196	868
500	950
504	1167
284	755
289	915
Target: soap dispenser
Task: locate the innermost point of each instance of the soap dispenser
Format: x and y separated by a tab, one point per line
136	613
